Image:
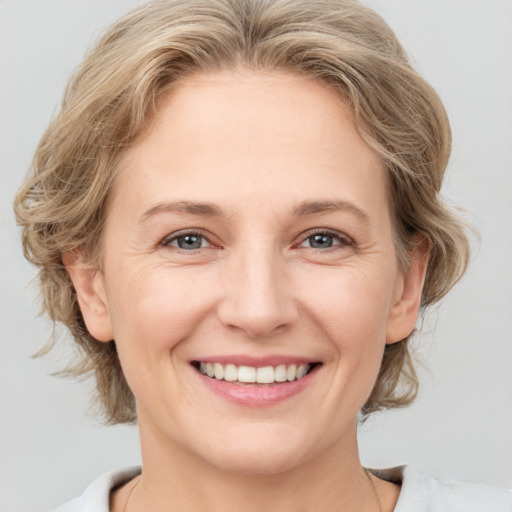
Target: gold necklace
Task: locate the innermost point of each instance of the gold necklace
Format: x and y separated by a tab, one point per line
374	490
130	493
365	470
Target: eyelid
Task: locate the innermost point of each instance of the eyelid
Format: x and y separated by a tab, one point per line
343	238
166	241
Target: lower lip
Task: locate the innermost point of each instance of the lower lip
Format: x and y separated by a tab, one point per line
257	395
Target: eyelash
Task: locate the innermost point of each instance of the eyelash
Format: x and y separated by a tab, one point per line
341	239
166	242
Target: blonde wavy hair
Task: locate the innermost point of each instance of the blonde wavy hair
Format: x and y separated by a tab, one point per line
110	100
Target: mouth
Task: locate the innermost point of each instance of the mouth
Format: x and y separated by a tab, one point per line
252	375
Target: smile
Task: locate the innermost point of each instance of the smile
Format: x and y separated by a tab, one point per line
254	382
251	374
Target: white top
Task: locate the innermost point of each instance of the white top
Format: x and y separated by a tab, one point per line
419	493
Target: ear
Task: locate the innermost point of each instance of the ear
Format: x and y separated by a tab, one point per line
407	300
90	290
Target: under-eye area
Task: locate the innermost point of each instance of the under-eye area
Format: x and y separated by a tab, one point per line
255	375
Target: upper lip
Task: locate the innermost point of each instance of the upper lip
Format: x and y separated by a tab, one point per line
256	362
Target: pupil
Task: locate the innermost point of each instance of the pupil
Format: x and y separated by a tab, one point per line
321	241
189	242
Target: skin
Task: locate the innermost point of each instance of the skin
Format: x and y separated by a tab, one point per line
256	146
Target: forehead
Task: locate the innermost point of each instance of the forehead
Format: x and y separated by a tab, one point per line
251	136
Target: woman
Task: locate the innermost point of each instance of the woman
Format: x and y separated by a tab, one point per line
236	214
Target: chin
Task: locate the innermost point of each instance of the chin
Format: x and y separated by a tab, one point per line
258	462
264	451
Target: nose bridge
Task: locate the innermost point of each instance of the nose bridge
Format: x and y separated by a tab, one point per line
257	297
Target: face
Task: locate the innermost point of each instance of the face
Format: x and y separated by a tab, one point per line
249	238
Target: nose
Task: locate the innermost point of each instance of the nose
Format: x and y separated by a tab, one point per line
258	298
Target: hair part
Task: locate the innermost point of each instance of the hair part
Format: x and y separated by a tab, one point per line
110	101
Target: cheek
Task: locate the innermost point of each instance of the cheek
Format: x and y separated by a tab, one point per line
351	307
159	307
350	304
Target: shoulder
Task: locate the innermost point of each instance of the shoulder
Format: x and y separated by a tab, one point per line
96	496
423	493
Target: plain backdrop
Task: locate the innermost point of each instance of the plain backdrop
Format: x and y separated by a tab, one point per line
461	425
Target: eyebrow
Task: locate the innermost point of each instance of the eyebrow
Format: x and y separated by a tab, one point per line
303	209
194	208
317	207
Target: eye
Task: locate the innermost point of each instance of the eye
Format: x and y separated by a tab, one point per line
189	241
325	240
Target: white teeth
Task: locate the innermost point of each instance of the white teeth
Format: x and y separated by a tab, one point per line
250	374
219	371
265	375
230	372
291	372
280	373
302	370
246	374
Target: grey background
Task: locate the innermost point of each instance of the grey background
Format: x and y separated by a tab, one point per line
460	427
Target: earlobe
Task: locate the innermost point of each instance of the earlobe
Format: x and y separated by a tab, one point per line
404	313
90	290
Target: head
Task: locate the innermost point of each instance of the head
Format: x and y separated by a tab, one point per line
116	97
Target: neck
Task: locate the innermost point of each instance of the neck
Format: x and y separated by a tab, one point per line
330	481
